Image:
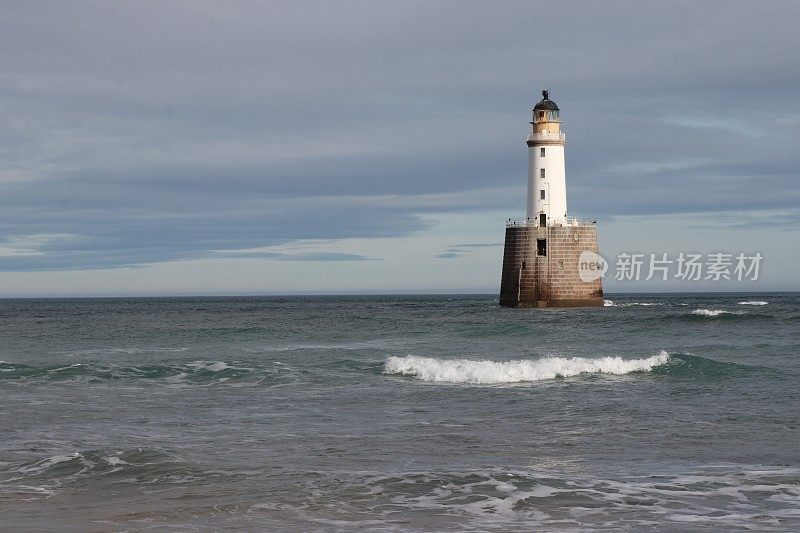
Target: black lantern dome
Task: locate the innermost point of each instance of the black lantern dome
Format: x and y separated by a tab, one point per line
546	104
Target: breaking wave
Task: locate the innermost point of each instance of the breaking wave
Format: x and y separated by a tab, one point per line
712	312
702	314
495	372
611	303
754	302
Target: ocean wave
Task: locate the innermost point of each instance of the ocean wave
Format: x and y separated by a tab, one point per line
712	315
214	366
136	465
715	312
754	302
687	365
190	372
495	372
494	499
611	303
123	351
343	346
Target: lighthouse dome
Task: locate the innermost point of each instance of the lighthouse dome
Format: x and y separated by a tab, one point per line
546	104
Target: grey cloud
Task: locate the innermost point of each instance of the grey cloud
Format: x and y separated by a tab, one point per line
448	255
460	250
155	133
282	256
478	245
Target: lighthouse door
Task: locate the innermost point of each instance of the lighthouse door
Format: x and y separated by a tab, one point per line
542	219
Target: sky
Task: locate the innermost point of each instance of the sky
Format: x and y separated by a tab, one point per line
160	148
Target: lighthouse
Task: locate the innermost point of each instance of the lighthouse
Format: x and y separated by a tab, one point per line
549	259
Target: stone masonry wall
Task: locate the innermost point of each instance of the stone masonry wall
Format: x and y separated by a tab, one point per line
552	280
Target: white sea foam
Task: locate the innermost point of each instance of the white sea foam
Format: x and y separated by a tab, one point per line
527	500
50	461
713	312
212	366
491	372
59	369
611	303
44	464
753	302
113	460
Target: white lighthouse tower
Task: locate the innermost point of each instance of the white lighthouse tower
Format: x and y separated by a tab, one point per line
547	187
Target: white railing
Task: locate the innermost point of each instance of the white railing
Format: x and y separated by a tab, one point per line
519	223
572	221
547	136
534	222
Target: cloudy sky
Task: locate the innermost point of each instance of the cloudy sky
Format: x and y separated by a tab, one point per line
251	147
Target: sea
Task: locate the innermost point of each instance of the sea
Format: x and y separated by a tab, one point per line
658	412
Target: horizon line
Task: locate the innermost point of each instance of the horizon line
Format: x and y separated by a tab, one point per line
360	294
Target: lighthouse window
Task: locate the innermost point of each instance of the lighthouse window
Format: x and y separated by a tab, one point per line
541	194
541	246
541	173
541	152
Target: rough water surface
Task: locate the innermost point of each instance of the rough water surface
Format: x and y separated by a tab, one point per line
673	412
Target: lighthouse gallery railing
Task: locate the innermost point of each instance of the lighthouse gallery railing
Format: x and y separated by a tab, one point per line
569	221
